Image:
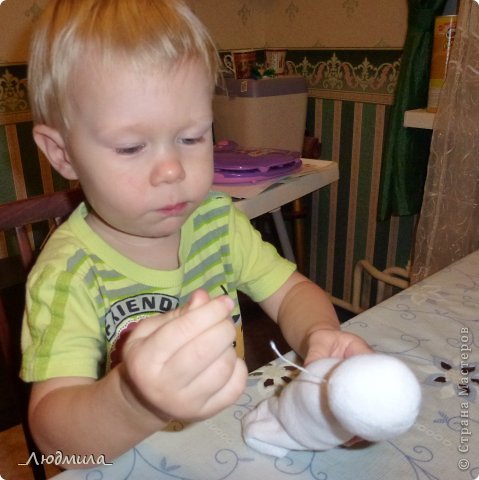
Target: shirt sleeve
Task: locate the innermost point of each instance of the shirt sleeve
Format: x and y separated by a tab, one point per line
61	334
262	271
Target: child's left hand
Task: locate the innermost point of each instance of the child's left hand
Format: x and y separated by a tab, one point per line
340	344
326	343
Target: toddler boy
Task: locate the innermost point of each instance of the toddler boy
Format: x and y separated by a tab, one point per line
132	308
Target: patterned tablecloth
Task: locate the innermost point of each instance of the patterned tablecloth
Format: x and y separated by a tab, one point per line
432	326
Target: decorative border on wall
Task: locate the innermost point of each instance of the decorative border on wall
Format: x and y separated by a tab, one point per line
356	75
14	106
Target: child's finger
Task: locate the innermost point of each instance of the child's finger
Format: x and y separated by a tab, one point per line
149	325
227	392
197	299
212	348
176	333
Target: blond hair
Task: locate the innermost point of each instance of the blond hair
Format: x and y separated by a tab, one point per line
143	34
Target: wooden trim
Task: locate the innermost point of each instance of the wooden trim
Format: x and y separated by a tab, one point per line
16	161
353	201
17	117
358	97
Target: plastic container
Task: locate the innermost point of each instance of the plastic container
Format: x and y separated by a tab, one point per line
269	113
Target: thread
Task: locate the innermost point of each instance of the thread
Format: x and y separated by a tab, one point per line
273	346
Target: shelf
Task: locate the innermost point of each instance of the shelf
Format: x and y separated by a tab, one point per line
419	118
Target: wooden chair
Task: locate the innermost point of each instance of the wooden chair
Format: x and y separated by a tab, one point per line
19	216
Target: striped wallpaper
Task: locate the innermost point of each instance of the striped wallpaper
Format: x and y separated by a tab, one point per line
349	103
352	134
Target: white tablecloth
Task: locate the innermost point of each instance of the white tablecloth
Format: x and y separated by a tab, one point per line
432	326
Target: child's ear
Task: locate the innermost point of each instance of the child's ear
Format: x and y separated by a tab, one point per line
51	143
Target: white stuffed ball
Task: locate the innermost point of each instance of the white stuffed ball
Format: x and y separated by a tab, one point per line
375	397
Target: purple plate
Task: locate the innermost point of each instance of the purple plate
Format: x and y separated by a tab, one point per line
234	164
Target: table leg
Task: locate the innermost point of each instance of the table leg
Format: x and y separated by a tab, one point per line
313	240
283	234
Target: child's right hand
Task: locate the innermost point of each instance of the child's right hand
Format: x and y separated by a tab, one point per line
183	364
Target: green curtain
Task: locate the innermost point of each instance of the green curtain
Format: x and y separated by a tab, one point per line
406	150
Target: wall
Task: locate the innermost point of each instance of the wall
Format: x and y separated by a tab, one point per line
254	23
304	23
16	20
351	93
349	50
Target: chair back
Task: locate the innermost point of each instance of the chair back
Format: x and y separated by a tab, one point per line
20	217
20	214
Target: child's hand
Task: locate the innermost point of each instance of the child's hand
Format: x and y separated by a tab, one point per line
325	343
339	344
183	364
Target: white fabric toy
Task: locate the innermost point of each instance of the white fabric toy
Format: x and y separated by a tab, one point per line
374	396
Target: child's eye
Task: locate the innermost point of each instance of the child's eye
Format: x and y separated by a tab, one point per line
192	141
130	150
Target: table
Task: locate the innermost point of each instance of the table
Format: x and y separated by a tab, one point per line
268	197
433	326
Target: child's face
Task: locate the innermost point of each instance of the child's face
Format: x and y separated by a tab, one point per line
141	146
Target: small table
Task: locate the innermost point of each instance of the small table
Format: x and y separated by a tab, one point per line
268	197
432	326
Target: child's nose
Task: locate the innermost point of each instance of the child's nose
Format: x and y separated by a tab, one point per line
168	169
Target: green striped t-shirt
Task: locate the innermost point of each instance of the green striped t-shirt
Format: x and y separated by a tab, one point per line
83	297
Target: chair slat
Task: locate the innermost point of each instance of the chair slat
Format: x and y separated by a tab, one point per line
39	208
24	247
